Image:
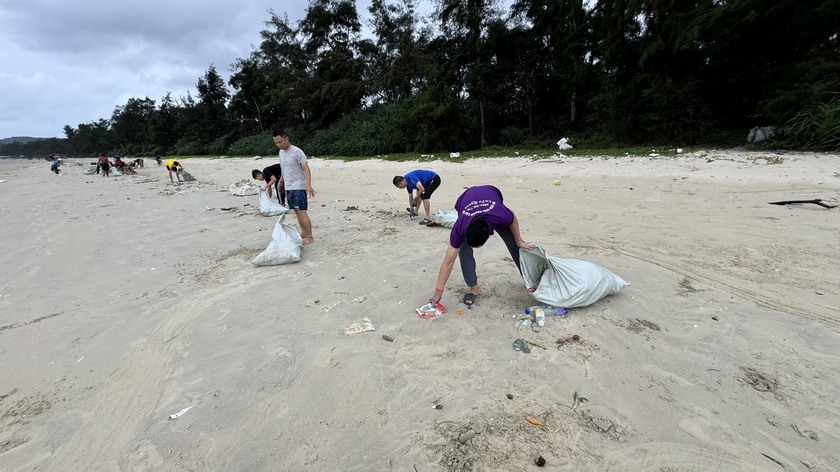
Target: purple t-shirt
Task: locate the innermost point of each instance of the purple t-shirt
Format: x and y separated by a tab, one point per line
482	201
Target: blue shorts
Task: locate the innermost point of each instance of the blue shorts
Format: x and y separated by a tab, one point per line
296	200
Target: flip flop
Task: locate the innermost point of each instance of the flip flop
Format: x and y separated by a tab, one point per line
432	224
426	221
469	298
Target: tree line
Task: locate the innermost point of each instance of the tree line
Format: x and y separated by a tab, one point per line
472	74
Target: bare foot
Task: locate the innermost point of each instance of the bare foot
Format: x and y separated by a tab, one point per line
308	241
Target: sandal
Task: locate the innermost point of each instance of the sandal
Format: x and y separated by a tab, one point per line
469	298
432	224
425	221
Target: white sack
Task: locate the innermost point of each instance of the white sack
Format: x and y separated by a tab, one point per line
446	218
90	170
567	283
284	247
563	144
243	188
269	206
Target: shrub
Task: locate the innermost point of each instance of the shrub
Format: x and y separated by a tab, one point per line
254	145
815	128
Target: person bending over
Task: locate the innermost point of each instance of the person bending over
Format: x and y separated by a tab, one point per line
481	212
273	178
424	182
173	165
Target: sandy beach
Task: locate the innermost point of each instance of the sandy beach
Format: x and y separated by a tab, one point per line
125	300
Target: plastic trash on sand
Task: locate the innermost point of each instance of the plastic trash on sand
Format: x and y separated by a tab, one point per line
430	310
176	415
564	144
363	326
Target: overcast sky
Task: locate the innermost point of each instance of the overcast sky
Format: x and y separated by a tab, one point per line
65	62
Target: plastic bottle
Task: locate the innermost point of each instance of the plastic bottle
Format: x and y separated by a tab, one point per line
539	314
550	310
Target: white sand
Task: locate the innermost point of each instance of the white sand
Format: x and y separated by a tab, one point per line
122	301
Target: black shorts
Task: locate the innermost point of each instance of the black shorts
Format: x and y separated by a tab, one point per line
105	166
430	188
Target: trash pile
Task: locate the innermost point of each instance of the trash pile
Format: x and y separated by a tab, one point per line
244	188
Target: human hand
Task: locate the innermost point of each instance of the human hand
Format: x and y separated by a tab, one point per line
435	298
523	245
310	191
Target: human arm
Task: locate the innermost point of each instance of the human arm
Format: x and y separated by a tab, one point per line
420	191
269	186
514	228
309	190
444	272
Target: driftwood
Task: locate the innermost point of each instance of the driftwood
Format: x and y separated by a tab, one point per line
816	201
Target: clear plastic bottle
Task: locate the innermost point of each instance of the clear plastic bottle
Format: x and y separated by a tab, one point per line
549	310
539	315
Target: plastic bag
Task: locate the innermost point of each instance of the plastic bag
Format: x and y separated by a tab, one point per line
568	283
364	326
284	247
446	218
563	144
269	207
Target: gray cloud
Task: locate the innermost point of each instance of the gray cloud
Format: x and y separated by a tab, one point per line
66	63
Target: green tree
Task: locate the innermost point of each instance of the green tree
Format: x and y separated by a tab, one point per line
131	125
212	105
335	87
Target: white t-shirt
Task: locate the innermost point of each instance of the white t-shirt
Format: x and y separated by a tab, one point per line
290	161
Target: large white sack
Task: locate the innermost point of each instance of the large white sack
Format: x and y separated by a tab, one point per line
269	206
446	218
243	188
567	283
284	247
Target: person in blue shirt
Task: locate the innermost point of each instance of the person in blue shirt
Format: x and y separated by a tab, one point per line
55	166
424	182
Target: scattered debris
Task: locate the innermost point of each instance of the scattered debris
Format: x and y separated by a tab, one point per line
521	345
537	345
363	326
577	400
816	201
466	436
388	338
176	415
533	421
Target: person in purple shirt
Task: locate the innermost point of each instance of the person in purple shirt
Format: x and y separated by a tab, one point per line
425	182
481	212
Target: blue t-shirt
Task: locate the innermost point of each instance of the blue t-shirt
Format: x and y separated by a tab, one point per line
421	176
482	201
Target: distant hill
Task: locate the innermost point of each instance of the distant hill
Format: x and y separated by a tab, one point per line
20	139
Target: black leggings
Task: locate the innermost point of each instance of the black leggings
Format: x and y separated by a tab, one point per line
467	259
